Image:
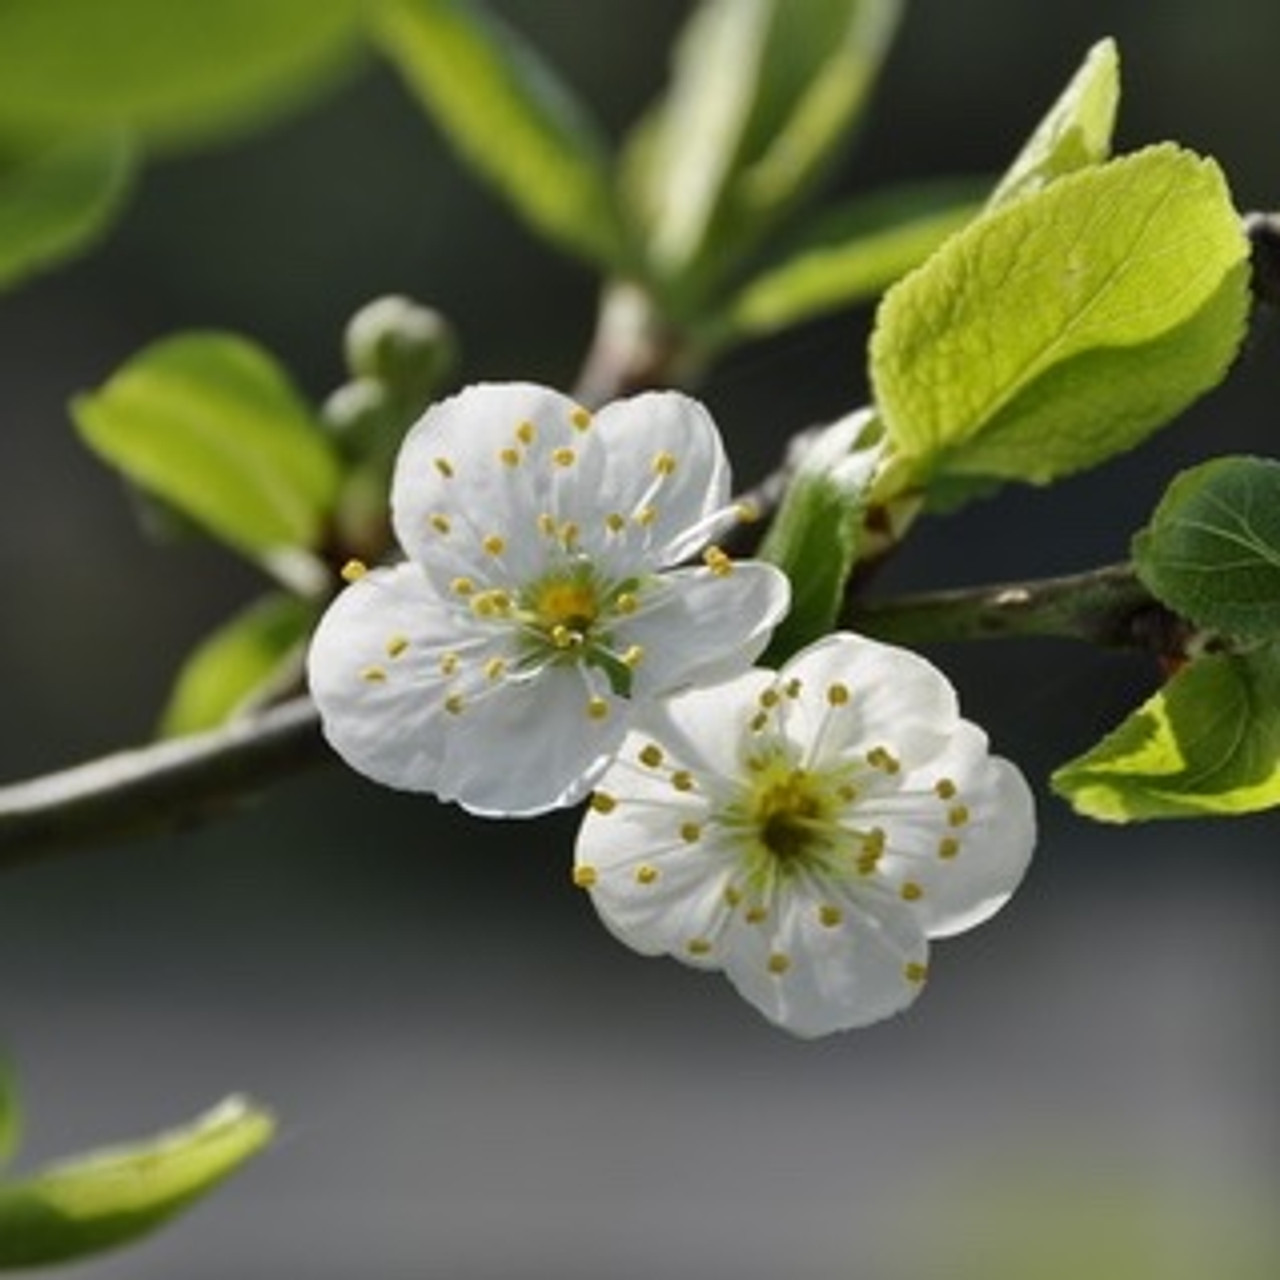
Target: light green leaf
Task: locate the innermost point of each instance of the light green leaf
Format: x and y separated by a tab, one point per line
1212	549
1068	325
763	92
10	1113
210	423
110	1197
1074	134
851	254
814	538
1207	743
255	655
170	70
510	117
55	197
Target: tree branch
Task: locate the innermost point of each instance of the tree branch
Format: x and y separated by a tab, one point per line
157	788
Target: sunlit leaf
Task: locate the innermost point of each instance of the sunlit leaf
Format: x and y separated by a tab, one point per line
814	537
851	254
1207	743
763	92
1076	131
213	425
253	656
168	69
111	1197
10	1113
511	117
56	197
1212	549
1068	325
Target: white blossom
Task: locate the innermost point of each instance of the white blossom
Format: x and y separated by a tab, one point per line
808	831
544	597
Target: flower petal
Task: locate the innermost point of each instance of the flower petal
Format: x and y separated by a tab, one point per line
527	745
813	977
374	668
962	831
897	700
696	626
491	460
664	468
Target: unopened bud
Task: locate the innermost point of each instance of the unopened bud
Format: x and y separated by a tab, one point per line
407	347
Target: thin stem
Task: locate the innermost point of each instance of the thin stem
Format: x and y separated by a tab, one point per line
1108	607
157	788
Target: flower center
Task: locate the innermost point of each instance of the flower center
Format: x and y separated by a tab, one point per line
566	607
792	814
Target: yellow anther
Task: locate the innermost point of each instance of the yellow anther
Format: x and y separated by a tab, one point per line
441	524
718	562
563	457
756	914
645	874
449	663
847	792
698	947
746	512
911	892
958	815
354	570
374	675
758	721
944	789
793	687
569	535
948	847
585	876
444	467
625	603
632	656
770	698
526	432
645	516
547	525
884	760
615	522
732	896
509	457
837	694
453	704
690	832
396	645
874	841
495	668
494	544
778	963
682	780
664	463
581	418
562	638
597	708
651	755
603	802
829	917
462	586
914	972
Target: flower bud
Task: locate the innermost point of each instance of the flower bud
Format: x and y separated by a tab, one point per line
407	347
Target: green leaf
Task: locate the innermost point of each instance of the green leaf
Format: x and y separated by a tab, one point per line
1074	134
851	254
511	118
1212	549
256	654
1207	743
56	197
1066	326
210	423
169	70
110	1197
815	536
10	1114
763	92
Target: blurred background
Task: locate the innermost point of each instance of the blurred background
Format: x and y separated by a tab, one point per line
473	1079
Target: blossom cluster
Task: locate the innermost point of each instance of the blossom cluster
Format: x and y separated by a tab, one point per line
562	622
